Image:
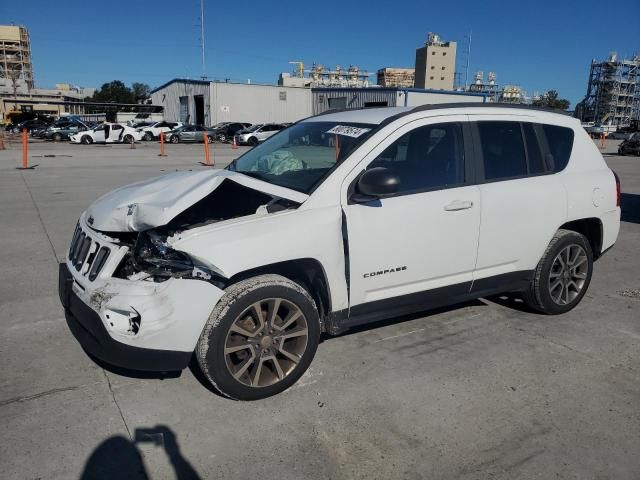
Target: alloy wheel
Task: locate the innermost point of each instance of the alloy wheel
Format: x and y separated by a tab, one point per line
266	342
569	272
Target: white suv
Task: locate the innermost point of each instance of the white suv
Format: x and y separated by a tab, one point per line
339	220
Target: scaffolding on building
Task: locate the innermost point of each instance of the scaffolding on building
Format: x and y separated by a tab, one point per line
488	87
613	92
15	55
351	77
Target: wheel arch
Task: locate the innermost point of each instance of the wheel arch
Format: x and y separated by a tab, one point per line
308	272
591	228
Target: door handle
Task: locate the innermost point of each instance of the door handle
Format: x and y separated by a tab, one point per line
458	205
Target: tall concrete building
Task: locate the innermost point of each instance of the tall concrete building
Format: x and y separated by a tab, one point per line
436	64
15	55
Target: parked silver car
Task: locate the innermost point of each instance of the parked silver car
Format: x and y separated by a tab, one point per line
257	133
190	133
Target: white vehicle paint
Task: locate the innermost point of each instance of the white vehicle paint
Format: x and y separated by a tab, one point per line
153	131
108	133
372	213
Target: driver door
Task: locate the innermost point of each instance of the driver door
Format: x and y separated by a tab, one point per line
418	247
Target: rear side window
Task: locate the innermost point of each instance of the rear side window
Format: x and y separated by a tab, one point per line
560	142
502	150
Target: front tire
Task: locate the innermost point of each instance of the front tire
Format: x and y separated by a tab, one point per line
563	274
260	338
57	137
253	141
86	140
175	139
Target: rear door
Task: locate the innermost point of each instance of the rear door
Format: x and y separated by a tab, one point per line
522	202
116	133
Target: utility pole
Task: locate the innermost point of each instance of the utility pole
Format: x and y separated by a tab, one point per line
466	73
204	67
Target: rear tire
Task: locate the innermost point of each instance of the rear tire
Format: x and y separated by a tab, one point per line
562	276
128	139
260	338
147	137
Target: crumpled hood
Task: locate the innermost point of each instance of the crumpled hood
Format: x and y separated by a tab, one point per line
154	202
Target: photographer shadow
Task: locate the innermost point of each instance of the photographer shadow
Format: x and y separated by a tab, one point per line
119	457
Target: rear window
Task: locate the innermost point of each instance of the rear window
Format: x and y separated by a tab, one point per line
560	141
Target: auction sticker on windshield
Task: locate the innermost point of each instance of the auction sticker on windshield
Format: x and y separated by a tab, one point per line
348	131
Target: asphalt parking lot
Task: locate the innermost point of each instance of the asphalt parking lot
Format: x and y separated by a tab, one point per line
486	389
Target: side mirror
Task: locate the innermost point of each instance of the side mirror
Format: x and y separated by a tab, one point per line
378	182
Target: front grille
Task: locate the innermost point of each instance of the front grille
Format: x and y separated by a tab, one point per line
87	255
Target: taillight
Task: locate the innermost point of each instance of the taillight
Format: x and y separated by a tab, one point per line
617	188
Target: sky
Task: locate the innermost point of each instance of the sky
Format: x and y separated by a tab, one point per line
538	45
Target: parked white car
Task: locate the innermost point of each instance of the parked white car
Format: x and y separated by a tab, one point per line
107	133
340	220
150	132
257	133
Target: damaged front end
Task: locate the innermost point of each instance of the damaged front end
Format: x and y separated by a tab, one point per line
132	298
150	255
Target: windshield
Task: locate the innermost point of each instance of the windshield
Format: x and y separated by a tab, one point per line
253	128
300	156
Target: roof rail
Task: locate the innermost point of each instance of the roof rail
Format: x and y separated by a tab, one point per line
519	106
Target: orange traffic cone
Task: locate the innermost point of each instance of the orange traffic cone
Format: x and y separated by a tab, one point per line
234	145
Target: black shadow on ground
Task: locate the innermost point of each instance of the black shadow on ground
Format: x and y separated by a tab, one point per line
407	318
119	457
125	372
512	300
196	371
630	206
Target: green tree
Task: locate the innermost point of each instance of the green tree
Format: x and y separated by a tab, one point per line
550	99
114	92
141	92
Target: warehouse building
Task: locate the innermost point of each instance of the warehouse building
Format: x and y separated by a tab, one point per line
208	103
203	102
339	98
